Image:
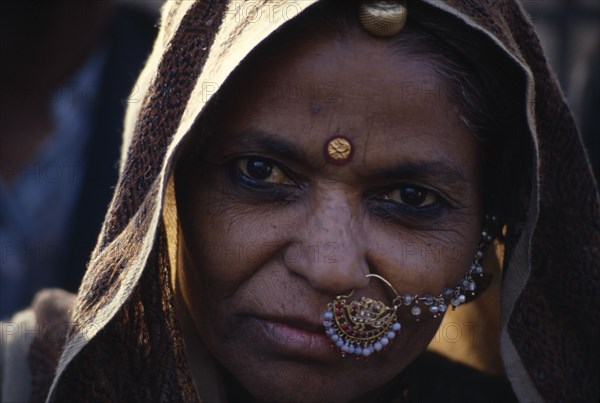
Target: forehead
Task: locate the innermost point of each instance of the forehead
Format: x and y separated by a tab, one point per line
390	104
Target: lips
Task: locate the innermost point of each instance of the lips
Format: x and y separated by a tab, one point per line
296	337
296	322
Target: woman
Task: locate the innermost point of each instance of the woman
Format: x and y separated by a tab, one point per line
302	196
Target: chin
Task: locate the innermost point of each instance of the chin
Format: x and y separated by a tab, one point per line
285	379
307	385
270	370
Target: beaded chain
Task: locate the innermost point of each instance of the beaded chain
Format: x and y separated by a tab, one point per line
365	326
457	295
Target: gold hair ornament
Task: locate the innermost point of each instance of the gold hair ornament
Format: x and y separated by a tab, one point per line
382	18
366	326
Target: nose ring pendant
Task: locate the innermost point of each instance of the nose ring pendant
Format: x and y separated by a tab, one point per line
362	327
366	326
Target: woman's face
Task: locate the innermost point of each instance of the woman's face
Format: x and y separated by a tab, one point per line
272	231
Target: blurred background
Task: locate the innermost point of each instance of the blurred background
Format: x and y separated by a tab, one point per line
569	31
67	74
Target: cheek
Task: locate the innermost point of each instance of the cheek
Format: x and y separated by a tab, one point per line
226	242
424	264
427	262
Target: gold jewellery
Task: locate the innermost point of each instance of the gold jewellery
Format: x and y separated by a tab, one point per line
367	326
338	150
362	327
382	18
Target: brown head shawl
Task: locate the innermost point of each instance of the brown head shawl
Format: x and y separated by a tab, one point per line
125	344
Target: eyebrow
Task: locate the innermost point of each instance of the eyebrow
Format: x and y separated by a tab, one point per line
260	140
442	170
254	139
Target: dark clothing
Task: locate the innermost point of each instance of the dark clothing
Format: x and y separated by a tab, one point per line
130	37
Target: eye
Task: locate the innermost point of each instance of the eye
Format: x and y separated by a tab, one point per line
412	196
262	170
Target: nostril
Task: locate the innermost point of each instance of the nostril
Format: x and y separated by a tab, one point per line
327	266
335	288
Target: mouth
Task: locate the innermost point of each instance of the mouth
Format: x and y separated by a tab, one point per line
299	323
296	337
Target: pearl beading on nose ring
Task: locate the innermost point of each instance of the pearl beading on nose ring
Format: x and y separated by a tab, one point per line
367	326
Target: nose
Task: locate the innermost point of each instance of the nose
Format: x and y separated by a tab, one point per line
329	249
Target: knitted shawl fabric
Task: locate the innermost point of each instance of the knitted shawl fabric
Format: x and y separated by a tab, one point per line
124	343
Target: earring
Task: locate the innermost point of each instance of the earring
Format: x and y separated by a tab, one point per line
364	326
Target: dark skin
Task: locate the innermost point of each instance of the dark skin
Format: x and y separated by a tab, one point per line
271	232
